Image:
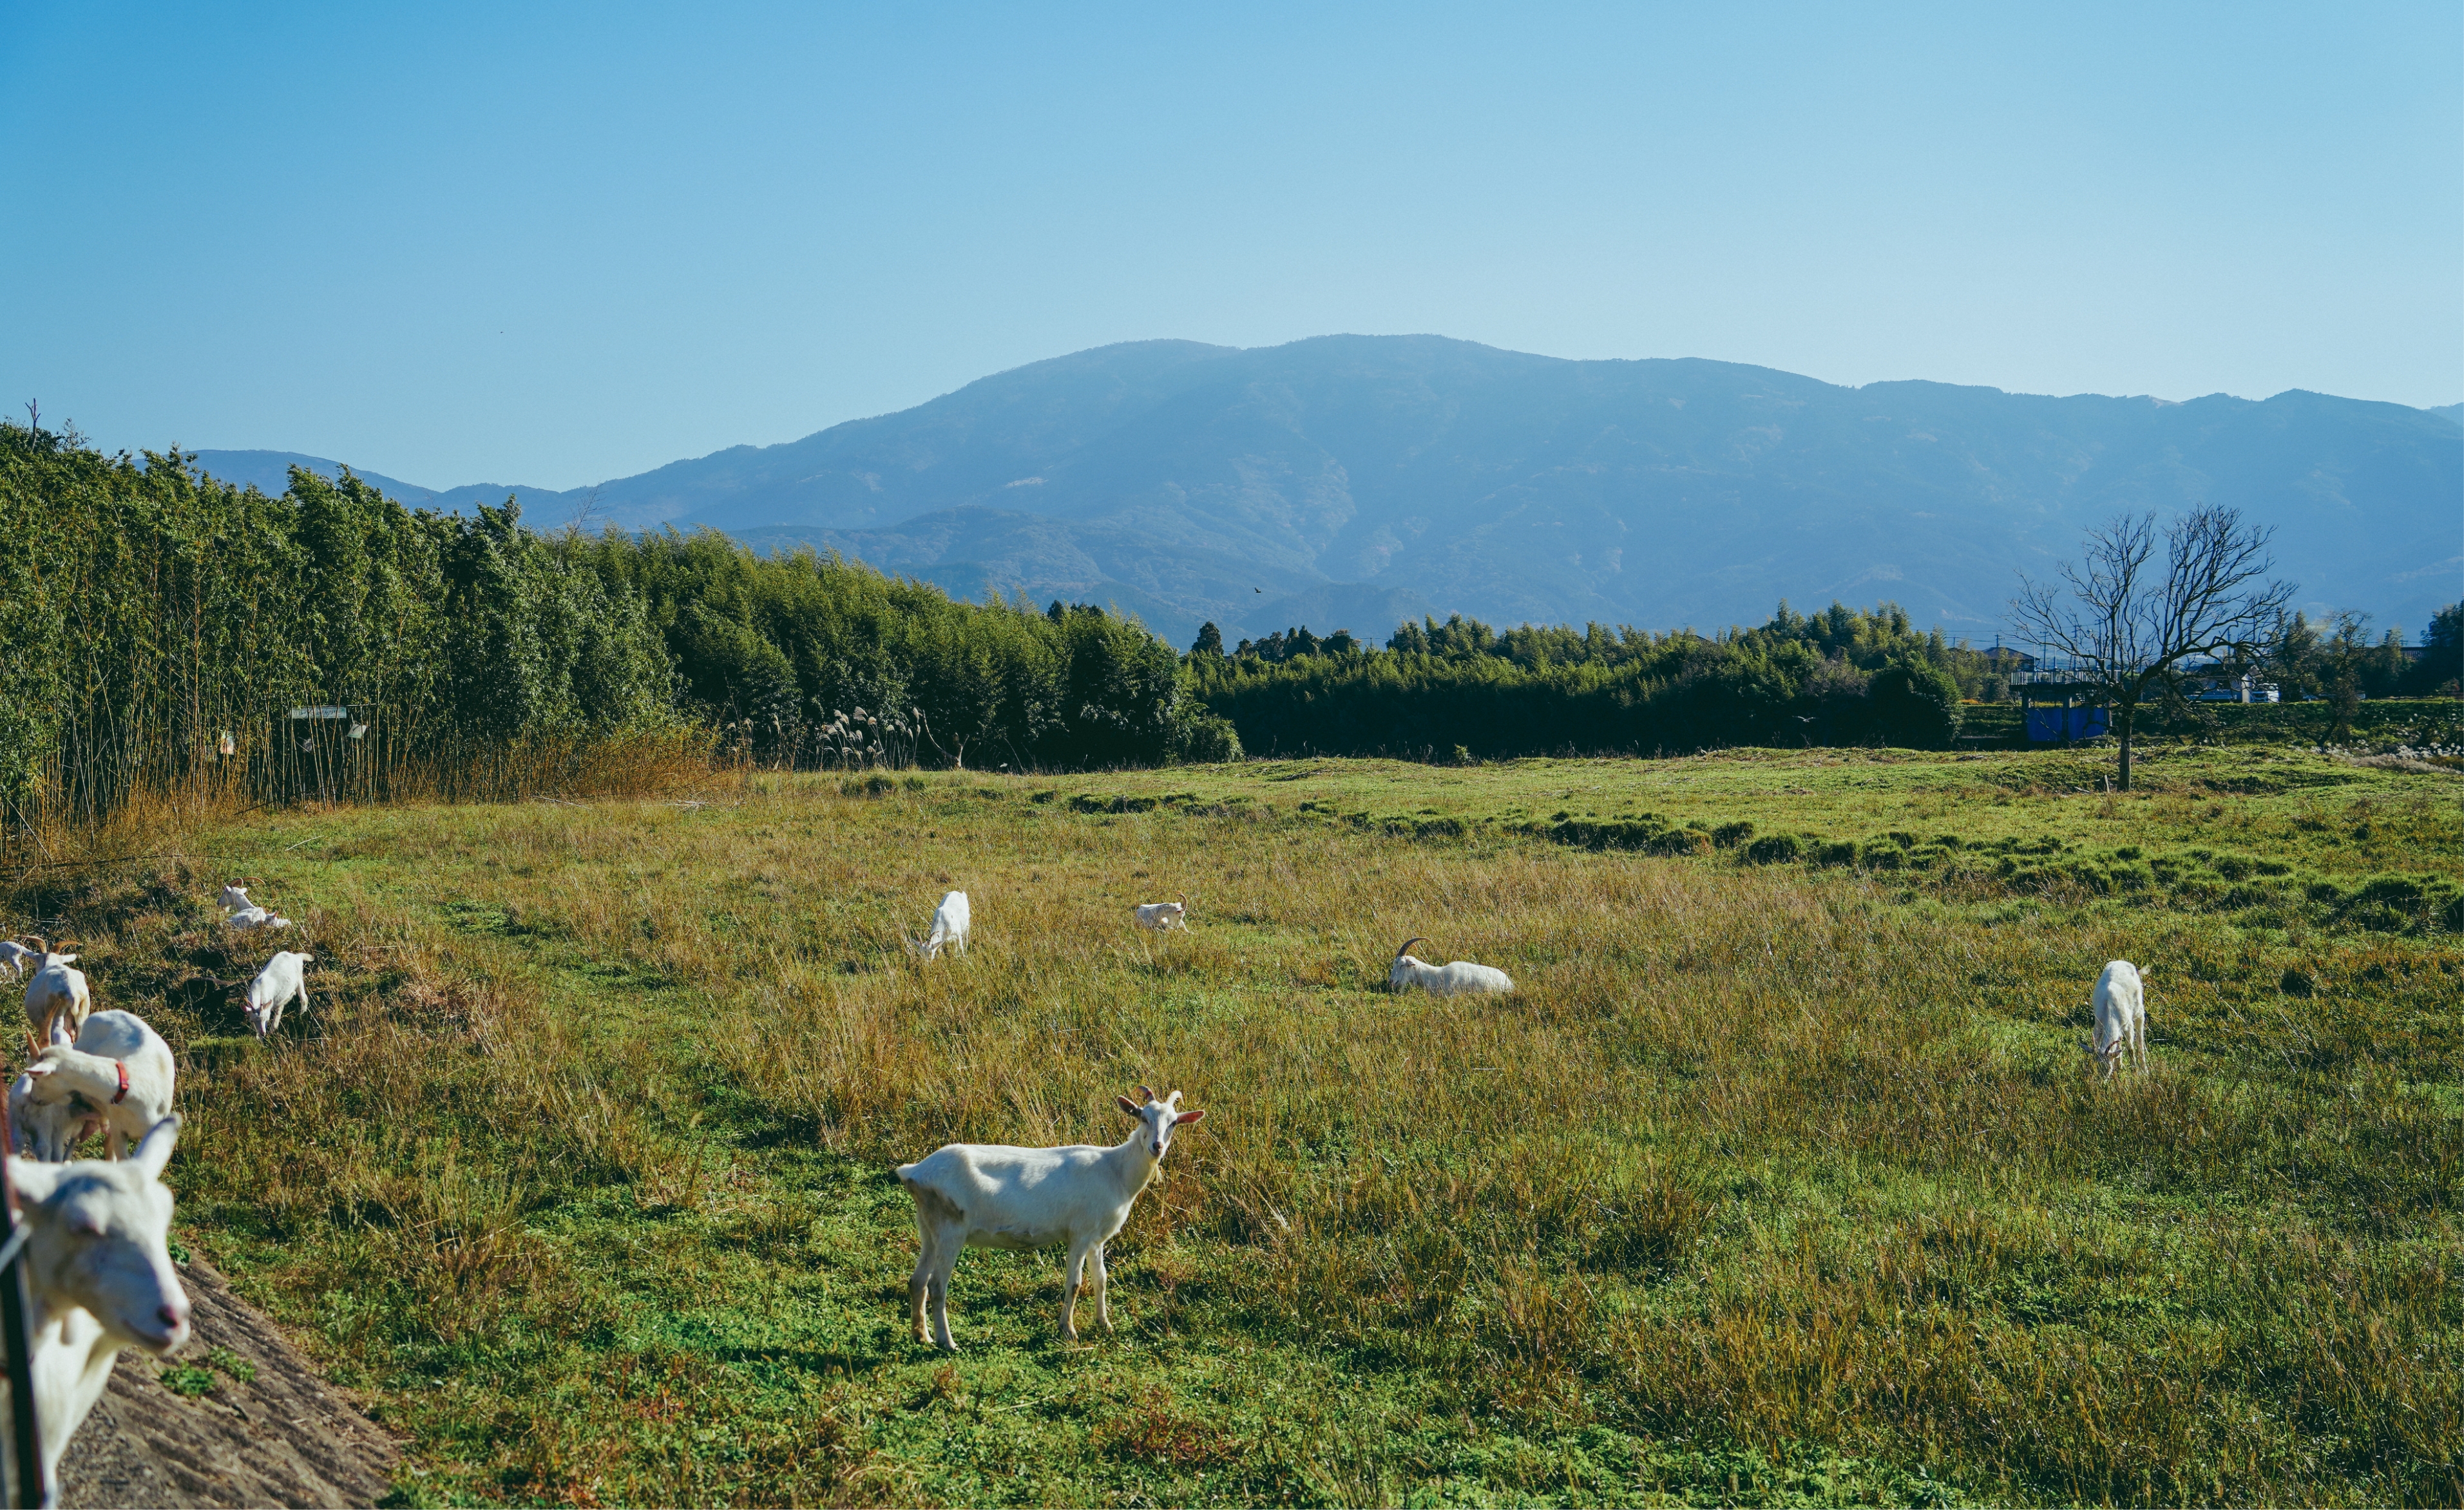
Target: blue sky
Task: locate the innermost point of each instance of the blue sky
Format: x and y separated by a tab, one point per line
553	244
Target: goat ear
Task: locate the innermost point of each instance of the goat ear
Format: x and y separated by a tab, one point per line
1129	1106
1190	1116
154	1154
35	1180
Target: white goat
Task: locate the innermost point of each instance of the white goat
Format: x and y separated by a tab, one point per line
948	927
283	977
1162	915
116	1079
1457	979
234	898
99	1278
988	1195
2121	1008
15	957
254	916
56	992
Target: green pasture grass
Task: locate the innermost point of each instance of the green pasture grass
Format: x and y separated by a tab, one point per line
1776	1182
2283	841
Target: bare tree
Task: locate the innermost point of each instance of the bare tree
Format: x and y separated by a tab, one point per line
2127	625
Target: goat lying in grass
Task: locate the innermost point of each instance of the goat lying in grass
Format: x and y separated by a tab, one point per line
234	898
283	977
254	916
950	922
56	992
2121	1007
1162	915
116	1079
990	1196
99	1278
1456	979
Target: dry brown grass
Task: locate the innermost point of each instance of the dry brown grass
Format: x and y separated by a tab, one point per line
1758	1168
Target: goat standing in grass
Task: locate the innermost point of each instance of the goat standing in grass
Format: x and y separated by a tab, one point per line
991	1195
16	957
2121	1007
283	977
1456	979
57	992
1163	915
950	922
116	1079
99	1278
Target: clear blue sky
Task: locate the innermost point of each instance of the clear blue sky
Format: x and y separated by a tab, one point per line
514	243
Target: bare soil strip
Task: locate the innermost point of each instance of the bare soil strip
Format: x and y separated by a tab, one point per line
283	1437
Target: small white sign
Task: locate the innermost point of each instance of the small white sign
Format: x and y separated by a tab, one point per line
328	712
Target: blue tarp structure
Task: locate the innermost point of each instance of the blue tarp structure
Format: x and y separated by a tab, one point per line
2046	725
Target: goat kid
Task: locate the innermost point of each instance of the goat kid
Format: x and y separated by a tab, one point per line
57	992
99	1278
950	922
990	1196
283	977
234	898
1456	979
16	957
254	916
2121	1007
1162	915
116	1079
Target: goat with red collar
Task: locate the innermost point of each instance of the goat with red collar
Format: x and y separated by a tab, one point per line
116	1079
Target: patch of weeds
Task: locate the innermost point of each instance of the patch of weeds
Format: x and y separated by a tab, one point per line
189	1380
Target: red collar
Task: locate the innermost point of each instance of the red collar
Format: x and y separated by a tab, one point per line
123	1082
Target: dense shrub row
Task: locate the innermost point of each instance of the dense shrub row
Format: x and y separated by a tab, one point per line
1836	678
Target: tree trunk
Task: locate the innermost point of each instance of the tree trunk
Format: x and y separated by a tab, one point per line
2125	717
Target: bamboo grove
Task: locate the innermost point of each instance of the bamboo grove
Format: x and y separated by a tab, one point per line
165	632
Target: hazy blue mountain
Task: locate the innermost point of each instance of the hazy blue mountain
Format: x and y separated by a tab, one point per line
2453	413
270	472
1347	475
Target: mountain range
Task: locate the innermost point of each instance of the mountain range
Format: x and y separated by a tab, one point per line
1351	481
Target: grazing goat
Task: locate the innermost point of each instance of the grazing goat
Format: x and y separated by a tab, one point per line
57	992
1162	915
234	898
254	916
948	927
1457	979
15	955
987	1195
116	1079
2121	1019
283	977
99	1278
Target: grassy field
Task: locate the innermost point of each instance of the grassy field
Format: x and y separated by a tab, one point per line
1780	1179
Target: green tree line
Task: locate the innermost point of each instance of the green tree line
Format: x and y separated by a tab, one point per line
1841	677
149	613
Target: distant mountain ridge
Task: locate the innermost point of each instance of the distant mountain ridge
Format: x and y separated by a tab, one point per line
1333	479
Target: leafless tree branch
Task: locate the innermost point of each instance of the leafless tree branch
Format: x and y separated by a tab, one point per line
2127	622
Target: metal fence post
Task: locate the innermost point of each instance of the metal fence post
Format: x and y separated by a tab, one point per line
26	1435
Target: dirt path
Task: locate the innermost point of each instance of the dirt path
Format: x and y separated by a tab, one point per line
284	1438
